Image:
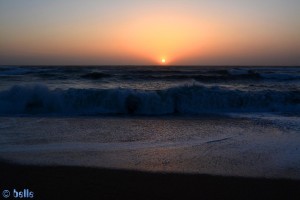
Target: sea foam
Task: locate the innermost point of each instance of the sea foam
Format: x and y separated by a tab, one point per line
185	99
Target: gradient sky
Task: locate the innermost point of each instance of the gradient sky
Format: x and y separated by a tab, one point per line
137	32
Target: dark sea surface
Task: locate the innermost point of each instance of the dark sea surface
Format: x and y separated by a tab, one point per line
146	90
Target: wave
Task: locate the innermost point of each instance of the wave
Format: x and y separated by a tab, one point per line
279	74
123	73
186	99
13	71
215	75
227	77
95	75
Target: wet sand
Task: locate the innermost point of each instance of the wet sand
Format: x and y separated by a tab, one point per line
205	145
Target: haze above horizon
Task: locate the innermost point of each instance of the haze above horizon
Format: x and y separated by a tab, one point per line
233	32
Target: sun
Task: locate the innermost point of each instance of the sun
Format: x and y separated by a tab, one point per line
163	61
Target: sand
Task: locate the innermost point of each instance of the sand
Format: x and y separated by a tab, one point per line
65	182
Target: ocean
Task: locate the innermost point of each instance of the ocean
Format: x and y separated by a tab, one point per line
242	121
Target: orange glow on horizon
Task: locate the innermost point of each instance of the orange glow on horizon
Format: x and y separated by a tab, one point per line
152	35
145	32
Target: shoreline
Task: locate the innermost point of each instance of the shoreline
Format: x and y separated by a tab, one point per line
62	182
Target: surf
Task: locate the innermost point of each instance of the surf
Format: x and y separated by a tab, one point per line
182	99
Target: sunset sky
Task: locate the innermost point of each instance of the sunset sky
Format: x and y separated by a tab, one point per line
139	32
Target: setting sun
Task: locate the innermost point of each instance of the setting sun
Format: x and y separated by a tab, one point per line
163	61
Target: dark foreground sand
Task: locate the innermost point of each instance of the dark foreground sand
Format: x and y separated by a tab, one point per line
62	182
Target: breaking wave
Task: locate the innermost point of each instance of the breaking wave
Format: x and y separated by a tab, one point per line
186	99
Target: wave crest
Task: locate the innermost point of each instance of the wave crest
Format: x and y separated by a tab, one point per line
193	99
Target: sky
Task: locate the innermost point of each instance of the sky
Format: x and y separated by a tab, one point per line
140	32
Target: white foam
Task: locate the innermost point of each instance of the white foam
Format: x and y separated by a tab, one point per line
184	99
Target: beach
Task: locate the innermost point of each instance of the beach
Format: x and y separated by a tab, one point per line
176	133
53	182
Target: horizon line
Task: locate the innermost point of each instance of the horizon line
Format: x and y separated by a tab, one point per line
142	65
